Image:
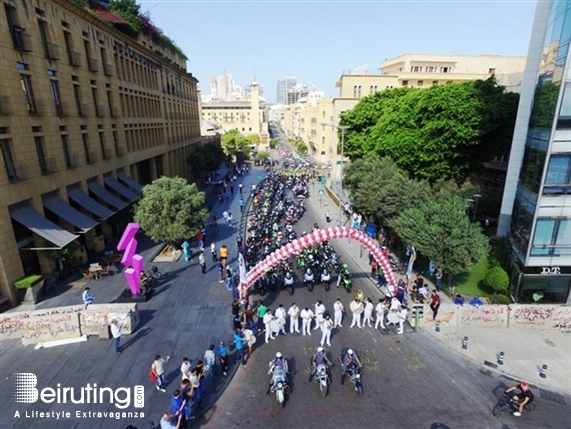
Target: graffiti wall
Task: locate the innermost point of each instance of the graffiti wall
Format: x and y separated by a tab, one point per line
50	328
530	316
66	322
484	315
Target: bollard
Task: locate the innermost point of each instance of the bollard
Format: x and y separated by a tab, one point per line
465	343
416	311
501	358
437	327
543	372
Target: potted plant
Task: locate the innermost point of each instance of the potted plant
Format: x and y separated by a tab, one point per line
32	285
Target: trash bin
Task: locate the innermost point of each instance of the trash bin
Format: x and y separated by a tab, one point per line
104	332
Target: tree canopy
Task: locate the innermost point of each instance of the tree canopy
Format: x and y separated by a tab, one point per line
233	141
204	159
171	209
441	132
441	231
379	190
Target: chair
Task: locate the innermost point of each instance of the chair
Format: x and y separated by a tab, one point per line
104	272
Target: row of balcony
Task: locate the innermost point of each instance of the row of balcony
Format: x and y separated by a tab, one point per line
23	42
37	107
19	171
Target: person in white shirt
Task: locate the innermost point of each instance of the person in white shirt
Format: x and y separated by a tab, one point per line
249	339
293	313
357	308
185	368
380	310
368	312
306	317
422	291
116	333
268	317
402	317
225	215
326	327
210	362
319	314
338	310
281	316
170	421
395	304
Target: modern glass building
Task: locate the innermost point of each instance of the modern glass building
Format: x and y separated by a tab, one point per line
536	206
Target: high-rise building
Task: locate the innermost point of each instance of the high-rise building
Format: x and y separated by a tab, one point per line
224	88
88	115
536	207
283	86
294	94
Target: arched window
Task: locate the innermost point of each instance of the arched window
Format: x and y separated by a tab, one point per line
355	91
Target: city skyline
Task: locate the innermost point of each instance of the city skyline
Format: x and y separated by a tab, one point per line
254	44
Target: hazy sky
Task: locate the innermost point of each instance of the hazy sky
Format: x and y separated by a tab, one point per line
317	40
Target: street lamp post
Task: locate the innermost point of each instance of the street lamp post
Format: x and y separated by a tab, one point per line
476	198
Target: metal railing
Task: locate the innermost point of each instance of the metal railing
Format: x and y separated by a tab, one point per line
108	69
16	171
34	105
6	105
75	58
93	64
22	40
60	110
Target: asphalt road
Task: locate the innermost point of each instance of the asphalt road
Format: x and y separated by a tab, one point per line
409	380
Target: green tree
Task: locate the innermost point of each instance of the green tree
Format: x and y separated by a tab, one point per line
301	147
441	231
497	279
233	141
129	10
378	189
205	158
274	143
263	155
171	209
442	132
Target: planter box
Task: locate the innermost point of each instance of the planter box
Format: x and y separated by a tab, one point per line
32	293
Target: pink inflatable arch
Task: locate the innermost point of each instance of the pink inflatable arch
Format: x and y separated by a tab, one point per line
301	243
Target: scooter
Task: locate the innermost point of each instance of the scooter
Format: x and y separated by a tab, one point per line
326	279
288	282
279	385
323	379
309	279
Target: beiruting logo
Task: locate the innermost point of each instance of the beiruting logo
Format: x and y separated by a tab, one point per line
26	392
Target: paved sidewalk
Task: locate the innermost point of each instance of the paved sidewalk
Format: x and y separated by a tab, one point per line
526	350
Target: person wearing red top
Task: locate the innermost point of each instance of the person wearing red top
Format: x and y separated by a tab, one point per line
434	303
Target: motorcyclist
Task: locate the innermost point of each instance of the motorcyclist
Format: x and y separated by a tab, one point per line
343	272
521	398
278	369
308	276
325	275
350	361
319	358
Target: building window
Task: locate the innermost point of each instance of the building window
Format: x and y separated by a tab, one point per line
420	83
492	70
98	111
86	147
54	89
564	119
445	69
430	69
102	145
26	83
65	150
416	69
558	178
8	160
77	97
404	82
552	237
39	142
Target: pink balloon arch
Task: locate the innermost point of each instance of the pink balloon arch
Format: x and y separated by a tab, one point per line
284	252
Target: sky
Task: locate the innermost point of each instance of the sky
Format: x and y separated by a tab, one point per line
317	40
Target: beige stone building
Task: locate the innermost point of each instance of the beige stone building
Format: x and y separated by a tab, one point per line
246	116
87	116
414	70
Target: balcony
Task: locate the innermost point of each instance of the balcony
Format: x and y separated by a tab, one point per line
34	105
120	151
22	40
60	109
50	165
112	111
99	112
93	156
6	105
75	59
93	64
83	109
74	160
107	69
52	52
16	171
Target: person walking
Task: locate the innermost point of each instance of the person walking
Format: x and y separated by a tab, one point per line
326	328
281	316
223	255
213	252
368	312
319	314
402	317
380	310
185	368
338	310
242	204
434	303
220	268
249	339
306	318
116	333
202	262
438	276
240	186
268	317
222	352
261	311
158	368
210	361
239	343
357	308
293	313
87	297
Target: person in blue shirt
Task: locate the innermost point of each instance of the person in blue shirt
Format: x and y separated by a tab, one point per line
459	300
476	301
177	404
239	341
222	353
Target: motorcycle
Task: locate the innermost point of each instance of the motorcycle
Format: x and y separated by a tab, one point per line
309	279
288	282
279	385
326	279
354	373
345	280
323	379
